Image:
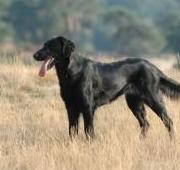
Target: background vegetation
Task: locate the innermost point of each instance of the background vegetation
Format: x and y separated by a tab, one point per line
127	27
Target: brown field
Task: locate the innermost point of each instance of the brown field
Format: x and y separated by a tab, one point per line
34	129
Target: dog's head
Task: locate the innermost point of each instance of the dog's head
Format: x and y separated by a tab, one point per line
53	51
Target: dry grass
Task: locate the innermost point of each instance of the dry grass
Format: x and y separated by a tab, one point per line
34	135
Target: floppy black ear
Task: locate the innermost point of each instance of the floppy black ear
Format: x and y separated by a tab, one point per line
67	46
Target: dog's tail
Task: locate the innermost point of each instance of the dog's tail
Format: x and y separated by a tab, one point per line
169	87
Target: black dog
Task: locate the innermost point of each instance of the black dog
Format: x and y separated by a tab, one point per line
86	85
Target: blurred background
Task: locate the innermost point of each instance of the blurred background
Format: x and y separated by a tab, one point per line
123	27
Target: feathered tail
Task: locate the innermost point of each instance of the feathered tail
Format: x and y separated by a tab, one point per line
169	87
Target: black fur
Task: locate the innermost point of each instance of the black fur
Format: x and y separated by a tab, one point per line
86	85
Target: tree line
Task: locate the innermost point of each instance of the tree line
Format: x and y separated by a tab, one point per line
127	27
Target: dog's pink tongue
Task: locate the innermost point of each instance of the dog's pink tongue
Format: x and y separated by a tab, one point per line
43	68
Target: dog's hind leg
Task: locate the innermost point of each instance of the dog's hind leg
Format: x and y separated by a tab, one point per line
155	102
136	105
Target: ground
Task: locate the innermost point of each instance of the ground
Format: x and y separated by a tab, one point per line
34	129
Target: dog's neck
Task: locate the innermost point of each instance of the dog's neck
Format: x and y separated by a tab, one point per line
62	67
61	70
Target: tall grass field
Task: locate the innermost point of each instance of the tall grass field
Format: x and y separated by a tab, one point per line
34	127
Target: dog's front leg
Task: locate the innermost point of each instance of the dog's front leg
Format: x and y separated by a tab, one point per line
88	123
73	117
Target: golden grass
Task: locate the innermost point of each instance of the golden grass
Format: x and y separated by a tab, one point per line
34	129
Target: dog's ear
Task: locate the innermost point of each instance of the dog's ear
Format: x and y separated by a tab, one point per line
67	46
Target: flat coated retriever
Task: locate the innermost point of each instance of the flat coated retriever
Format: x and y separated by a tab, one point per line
86	85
